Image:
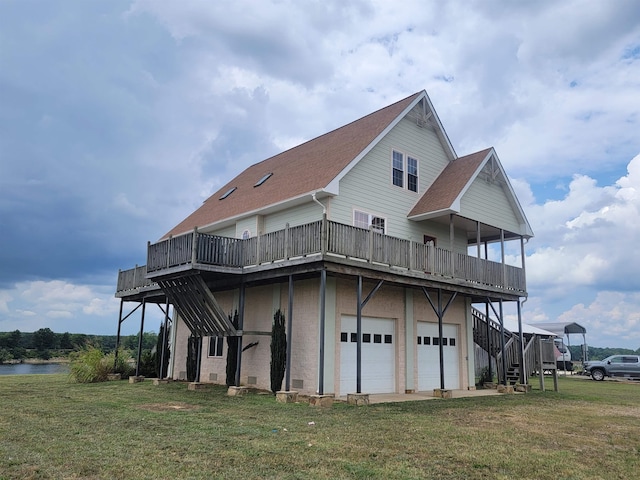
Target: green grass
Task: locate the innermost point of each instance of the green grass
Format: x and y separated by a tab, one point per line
50	428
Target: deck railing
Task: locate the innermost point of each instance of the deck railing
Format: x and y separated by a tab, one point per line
335	239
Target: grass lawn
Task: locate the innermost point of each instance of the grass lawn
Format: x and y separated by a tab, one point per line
51	428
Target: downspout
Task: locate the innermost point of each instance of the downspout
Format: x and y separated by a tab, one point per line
324	209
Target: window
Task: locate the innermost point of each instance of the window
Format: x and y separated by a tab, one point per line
388	339
398	169
228	192
366	220
452	342
377	338
366	338
412	174
343	336
263	179
215	346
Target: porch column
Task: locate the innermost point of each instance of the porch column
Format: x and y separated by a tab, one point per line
144	304
502	254
478	239
115	356
504	354
359	337
240	327
451	246
289	336
164	340
323	293
523	368
522	257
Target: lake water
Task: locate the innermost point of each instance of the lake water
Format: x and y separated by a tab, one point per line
31	368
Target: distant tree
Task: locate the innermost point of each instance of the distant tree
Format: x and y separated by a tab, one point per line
78	340
44	339
14	339
65	341
5	355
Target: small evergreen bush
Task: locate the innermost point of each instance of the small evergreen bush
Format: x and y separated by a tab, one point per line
278	351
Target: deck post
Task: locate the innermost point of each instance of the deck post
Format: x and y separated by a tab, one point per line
504	266
440	346
324	235
323	292
504	356
523	369
240	327
451	246
286	242
541	364
490	373
289	336
144	304
164	340
197	380
115	356
194	246
359	337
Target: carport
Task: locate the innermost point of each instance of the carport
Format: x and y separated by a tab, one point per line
565	329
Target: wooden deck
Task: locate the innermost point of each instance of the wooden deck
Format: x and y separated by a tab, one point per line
321	241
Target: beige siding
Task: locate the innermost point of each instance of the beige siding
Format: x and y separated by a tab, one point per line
488	203
456	314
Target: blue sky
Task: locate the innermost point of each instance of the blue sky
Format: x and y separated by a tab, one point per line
118	118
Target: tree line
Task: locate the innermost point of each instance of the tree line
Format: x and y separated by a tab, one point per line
597	353
45	344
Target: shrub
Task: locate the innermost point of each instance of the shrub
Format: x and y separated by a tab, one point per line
90	365
278	351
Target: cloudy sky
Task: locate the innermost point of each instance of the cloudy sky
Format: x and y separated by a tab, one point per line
118	118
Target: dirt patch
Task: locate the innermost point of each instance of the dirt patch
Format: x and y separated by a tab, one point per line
169	407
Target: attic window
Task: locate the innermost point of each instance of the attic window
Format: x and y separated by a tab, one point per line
228	192
263	179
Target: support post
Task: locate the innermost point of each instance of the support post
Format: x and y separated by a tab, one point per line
289	336
440	346
144	304
199	364
115	356
323	292
164	339
489	343
523	367
504	356
240	327
504	267
359	337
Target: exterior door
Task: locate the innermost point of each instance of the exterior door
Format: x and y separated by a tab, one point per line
378	355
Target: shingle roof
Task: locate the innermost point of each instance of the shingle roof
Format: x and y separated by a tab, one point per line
307	168
444	191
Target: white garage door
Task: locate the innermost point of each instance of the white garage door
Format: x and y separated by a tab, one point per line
428	345
378	355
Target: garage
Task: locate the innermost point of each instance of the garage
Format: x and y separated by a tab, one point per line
428	346
378	355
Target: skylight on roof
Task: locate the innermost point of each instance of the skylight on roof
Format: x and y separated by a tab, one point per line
263	179
227	193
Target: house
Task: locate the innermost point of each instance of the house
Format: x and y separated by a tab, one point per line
372	239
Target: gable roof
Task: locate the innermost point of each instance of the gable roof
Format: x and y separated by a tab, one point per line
448	187
445	194
300	171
